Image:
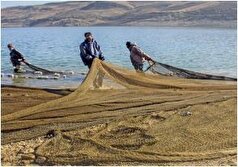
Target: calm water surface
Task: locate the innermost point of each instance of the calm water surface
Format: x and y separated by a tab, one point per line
206	50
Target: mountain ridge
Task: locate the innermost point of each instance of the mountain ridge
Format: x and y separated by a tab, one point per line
123	13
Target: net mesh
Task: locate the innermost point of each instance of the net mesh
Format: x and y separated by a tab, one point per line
117	116
164	69
43	70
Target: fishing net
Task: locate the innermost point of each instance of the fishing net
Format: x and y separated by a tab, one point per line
156	68
117	116
40	69
164	69
44	71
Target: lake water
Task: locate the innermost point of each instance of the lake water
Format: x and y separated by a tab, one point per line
206	50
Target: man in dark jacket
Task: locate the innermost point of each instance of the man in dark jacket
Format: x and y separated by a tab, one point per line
15	57
89	49
138	57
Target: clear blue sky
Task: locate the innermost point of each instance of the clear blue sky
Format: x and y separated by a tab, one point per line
5	3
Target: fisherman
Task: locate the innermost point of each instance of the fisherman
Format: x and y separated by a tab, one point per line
16	58
89	49
138	57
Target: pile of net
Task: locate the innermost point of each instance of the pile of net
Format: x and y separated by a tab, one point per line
121	117
168	70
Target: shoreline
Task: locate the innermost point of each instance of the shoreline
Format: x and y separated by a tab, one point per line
38	88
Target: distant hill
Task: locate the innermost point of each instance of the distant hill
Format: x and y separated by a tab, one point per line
122	13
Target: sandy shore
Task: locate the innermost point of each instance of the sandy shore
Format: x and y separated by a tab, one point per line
132	132
17	98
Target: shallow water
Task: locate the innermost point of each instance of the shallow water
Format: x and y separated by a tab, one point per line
206	50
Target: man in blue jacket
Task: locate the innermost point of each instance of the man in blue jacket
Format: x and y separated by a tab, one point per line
89	49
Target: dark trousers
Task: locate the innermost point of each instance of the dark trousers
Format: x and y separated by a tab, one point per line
137	67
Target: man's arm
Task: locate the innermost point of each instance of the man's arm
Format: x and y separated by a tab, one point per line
139	52
19	55
101	57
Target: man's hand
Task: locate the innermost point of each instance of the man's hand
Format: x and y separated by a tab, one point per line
92	57
151	62
24	61
101	57
148	58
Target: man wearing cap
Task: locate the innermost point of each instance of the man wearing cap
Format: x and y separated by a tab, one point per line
138	57
15	57
89	49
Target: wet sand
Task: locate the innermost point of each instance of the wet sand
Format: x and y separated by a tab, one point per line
149	120
18	98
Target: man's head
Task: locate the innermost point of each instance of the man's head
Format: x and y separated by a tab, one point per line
88	36
128	44
10	46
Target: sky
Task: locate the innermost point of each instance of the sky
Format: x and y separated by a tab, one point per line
5	3
11	3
